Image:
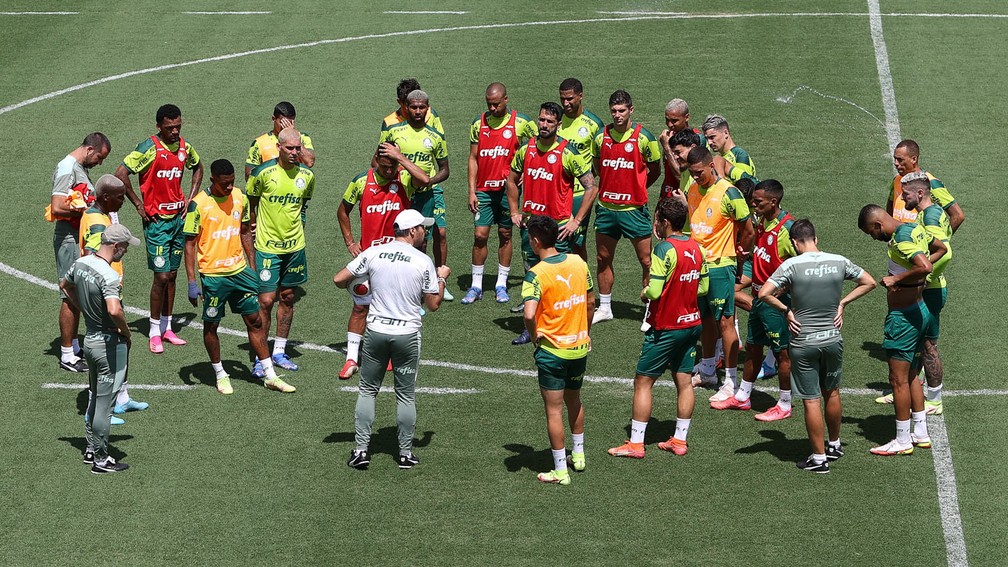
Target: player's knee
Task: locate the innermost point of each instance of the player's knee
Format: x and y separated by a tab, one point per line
480	240
287	297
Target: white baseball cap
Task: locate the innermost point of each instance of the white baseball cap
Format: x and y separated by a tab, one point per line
411	217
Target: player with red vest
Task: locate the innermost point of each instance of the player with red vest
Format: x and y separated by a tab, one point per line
678	277
159	162
627	160
493	139
767	326
380	194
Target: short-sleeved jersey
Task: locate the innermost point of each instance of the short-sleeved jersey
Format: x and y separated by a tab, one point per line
70	176
283	194
741	164
815	282
773	246
265	148
713	213
424	146
496	140
433	119
93	224
400	275
939	194
159	167
908	240
561	284
380	201
216	224
684	179
94	281
622	159
936	221
548	177
525	128
580	131
678	277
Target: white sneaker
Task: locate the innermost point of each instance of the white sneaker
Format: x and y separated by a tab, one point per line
893	447
602	315
448	296
726	391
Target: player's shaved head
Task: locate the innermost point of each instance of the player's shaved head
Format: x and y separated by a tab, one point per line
802	231
673	211
417	96
869	215
496	90
405	87
910	147
97	140
771	188
284	109
572	84
288	135
699	154
714	122
678	106
108	183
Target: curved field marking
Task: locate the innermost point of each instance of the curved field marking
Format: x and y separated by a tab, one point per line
787	99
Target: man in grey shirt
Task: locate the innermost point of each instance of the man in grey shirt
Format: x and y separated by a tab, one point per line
815	280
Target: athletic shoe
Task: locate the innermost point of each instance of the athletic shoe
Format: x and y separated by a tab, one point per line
811	466
726	391
766	371
408	461
629	450
773	414
893	448
602	315
109	466
77	366
472	296
732	403
502	295
555	477
89	456
112	421
284	361
708	381
922	442
224	385
156	346
523	339
520	307
257	370
359	460
676	446
279	385
448	295
172	338
933	408
130	405
886	399
349	369
833	453
577	461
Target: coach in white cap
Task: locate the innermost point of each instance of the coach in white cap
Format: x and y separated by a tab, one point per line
402	280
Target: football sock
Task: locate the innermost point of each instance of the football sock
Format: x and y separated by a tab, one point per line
730	376
903	431
785	400
707	366
637	429
75	345
681	428
933	394
919	419
267	366
578	442
605	301
770	360
835	444
744	391
502	275
279	345
560	459
818	458
123	395
353	346
218	368
67	354
155	328
164	324
477	277
719	349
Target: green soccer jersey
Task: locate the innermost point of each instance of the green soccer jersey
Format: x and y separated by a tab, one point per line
908	240
646	142
525	128
266	146
741	164
573	162
936	223
664	259
815	282
143	156
283	195
95	281
580	132
422	146
355	190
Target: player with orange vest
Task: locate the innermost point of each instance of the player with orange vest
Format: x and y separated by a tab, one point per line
905	157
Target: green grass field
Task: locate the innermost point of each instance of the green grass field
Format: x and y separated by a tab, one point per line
260	478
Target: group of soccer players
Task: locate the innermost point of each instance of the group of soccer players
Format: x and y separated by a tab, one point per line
720	232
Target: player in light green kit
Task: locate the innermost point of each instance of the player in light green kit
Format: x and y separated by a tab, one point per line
739	163
579	127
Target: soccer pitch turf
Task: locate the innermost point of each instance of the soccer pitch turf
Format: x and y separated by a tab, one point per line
816	92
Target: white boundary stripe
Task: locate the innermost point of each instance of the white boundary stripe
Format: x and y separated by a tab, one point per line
64	386
227	13
441	12
941	453
787	99
419	390
39	13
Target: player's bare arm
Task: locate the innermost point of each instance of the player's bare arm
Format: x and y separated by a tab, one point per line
189	259
865	284
420	177
473	169
124	175
511	185
956	216
197	180
343	217
588	201
442	173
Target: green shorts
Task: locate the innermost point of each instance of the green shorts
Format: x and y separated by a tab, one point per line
935	299
562	246
557	373
581	234
165	242
632	223
493	209
281	270
815	368
66	248
905	330
720	293
673	349
431	203
767	327
240	291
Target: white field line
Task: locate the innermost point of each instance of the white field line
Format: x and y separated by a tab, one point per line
941	453
227	13
63	386
787	99
440	12
419	390
39	13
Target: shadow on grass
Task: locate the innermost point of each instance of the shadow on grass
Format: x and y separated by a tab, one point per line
875	351
512	323
778	445
624	310
202	373
80	443
383	441
878	429
526	457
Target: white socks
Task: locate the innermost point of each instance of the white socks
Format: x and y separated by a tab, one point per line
123	396
279	345
477	277
681	428
68	355
730	374
785	400
919	419
502	275
559	459
744	391
707	366
578	442
933	394
903	432
155	328
353	346
218	368
267	366
605	302
637	429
